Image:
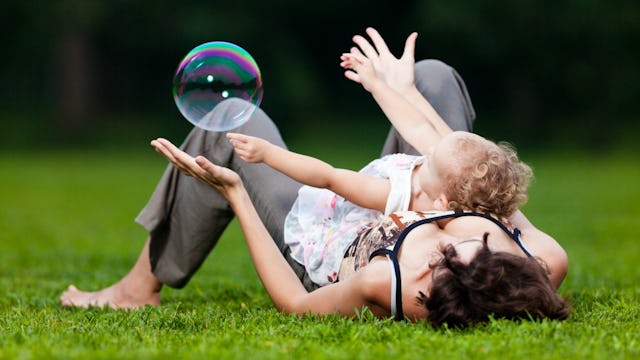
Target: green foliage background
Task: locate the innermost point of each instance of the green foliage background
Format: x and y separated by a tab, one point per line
538	71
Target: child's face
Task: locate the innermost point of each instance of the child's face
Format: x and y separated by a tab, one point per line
430	179
431	175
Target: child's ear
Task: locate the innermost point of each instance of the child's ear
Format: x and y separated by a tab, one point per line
441	202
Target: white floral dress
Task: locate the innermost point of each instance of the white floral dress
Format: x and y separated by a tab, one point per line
321	225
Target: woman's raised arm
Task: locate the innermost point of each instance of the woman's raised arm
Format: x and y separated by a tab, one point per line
284	287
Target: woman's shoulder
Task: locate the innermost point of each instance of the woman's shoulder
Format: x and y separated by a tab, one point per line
374	280
547	249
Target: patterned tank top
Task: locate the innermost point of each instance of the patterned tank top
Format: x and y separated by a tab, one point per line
383	234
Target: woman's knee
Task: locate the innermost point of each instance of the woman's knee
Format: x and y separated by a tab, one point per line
432	65
432	73
445	89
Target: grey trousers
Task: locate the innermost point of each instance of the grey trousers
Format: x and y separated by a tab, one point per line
185	218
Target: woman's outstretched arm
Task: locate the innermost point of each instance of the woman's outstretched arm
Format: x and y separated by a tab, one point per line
285	289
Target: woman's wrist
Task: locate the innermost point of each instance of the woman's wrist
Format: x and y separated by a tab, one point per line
236	194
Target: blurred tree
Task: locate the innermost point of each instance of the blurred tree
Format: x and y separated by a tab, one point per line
75	66
536	63
531	66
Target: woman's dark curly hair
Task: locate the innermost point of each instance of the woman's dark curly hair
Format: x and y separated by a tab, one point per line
497	284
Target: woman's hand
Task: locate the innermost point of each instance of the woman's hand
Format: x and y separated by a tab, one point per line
249	148
397	73
220	178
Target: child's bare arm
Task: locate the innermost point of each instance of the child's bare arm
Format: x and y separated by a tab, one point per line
412	124
360	189
398	75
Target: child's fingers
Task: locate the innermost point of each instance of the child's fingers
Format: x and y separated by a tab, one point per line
359	57
240	149
410	45
239	142
366	47
354	59
377	40
237	137
352	76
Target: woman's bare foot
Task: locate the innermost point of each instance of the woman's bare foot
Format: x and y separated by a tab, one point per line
137	289
115	297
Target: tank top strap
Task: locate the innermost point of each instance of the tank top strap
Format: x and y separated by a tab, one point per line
515	235
396	281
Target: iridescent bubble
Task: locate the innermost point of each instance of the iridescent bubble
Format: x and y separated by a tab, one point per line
217	86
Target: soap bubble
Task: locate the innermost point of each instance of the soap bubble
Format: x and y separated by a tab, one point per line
210	83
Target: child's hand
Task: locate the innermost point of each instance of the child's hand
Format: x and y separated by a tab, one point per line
359	69
397	73
249	148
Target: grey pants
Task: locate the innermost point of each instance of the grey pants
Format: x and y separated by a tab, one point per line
185	218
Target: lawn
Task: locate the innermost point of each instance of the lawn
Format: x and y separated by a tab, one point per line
67	217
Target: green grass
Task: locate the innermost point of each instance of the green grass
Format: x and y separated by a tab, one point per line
67	217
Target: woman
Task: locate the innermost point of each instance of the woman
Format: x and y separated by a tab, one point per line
185	217
441	270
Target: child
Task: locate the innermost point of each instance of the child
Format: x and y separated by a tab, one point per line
458	170
462	171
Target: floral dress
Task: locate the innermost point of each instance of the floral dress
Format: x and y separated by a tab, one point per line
321	225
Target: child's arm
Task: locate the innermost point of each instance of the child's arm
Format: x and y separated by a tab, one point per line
397	73
360	189
416	128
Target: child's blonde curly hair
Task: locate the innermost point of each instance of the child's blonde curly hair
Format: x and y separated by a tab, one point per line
488	178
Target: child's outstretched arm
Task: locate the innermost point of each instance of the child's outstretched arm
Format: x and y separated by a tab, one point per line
397	73
362	190
412	124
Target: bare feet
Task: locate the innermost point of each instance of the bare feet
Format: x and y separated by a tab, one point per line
116	296
137	289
